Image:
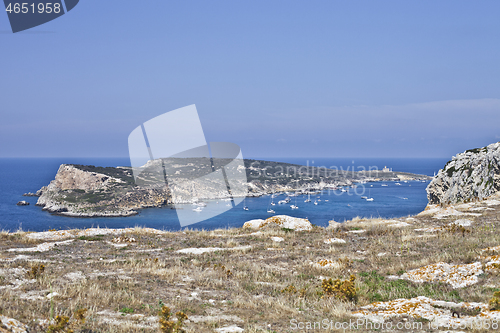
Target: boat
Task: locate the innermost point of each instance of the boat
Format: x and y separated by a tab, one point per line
397	184
294	206
316	203
385	185
364	197
308	197
197	209
369	196
245	204
269	209
245	208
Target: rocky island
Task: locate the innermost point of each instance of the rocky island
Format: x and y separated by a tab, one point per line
88	191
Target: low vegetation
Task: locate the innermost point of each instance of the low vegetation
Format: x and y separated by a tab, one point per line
96	284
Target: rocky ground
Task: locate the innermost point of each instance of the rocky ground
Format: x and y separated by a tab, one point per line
436	271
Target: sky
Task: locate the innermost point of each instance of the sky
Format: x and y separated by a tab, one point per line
281	78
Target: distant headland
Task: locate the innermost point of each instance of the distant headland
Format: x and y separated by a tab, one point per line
91	191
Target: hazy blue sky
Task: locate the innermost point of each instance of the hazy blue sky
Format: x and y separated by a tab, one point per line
279	78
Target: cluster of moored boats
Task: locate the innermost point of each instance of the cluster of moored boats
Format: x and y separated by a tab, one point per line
289	195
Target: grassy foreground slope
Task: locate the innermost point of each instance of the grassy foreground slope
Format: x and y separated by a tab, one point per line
255	280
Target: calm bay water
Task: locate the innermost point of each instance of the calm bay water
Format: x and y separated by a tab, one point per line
23	175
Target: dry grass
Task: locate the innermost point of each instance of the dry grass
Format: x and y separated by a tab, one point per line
123	288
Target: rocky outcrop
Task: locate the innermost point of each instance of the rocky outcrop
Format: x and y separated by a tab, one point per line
69	177
283	221
80	191
469	176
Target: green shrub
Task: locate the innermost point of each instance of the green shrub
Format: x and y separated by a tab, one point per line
126	310
91	238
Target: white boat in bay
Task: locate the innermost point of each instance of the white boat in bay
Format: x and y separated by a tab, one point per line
197	209
369	196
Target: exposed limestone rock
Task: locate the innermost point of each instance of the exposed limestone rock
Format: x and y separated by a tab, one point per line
283	221
334	241
438	313
334	225
229	329
41	247
254	224
469	176
458	276
63	234
201	250
12	325
69	177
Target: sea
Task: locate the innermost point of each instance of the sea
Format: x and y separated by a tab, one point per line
22	175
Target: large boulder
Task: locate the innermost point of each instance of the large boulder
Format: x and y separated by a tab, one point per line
469	176
283	221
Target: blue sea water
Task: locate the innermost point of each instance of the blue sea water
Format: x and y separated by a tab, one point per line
21	175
